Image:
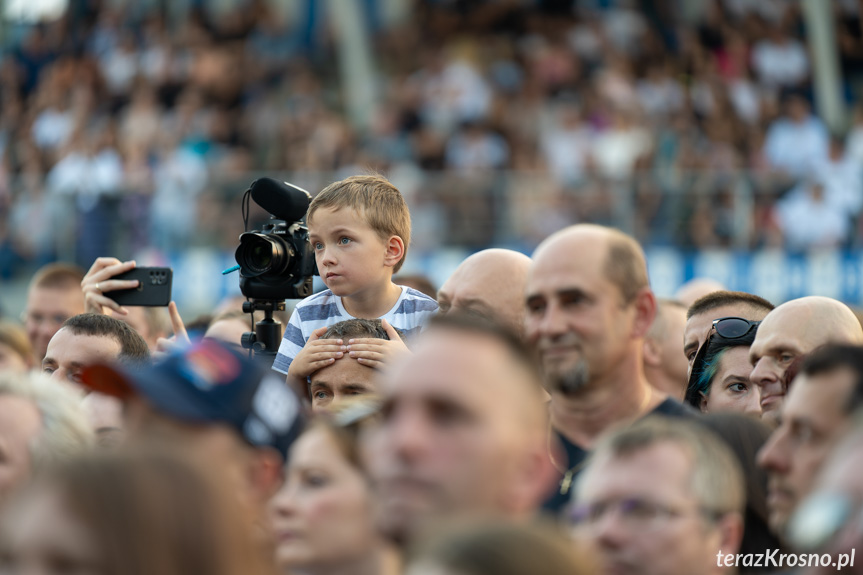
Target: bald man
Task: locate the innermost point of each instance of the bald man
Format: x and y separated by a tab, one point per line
589	307
793	329
490	284
665	365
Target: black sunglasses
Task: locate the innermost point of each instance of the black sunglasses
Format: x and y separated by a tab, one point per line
733	327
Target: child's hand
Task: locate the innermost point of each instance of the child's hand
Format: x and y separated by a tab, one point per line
375	352
316	354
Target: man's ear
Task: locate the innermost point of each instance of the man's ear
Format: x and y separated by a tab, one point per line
395	251
645	312
730	528
651	355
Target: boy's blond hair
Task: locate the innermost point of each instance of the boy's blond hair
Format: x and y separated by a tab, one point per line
376	200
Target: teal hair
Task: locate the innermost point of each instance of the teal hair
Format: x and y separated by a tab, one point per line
706	375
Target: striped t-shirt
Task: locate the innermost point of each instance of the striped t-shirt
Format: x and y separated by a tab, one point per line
410	314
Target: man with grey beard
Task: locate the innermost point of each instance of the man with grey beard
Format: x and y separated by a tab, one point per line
589	306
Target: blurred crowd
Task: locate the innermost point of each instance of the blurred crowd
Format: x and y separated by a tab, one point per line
692	128
552	416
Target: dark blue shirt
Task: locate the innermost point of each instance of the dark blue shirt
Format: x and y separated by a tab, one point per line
575	456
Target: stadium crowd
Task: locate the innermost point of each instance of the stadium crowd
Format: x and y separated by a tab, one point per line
690	127
541	413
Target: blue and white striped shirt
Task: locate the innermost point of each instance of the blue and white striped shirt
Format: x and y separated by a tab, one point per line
409	314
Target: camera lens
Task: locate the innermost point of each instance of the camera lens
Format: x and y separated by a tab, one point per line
261	257
262	254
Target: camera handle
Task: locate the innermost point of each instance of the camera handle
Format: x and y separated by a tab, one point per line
265	340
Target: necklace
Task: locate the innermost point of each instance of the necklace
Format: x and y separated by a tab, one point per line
568	474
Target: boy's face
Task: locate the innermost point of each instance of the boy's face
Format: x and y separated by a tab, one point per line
351	256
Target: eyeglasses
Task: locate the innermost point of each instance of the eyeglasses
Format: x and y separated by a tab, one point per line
636	513
734	327
820	518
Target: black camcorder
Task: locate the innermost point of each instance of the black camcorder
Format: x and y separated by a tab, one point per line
277	262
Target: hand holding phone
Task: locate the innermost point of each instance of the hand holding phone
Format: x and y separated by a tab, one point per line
112	284
153	287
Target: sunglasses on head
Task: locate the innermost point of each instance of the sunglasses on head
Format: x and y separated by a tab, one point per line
733	327
725	327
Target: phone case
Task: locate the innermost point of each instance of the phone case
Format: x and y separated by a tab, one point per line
153	290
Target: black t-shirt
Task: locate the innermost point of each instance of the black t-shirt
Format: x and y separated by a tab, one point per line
576	456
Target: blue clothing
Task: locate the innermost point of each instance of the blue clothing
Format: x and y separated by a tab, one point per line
409	314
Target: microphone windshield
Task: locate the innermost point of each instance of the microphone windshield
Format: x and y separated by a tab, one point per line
281	199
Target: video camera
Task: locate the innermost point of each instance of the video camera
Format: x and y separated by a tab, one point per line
276	262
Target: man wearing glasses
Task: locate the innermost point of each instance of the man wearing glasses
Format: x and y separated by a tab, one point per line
660	497
792	330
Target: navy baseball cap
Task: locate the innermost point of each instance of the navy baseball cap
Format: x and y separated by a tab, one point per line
210	383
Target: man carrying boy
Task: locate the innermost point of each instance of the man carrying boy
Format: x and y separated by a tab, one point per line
360	230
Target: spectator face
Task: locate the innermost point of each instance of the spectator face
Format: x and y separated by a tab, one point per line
47	309
489	284
40	534
731	389
349	253
453	434
323	512
345	378
105	414
813	419
216	446
20	424
671	357
698	328
576	318
798	109
68	354
645	519
780	339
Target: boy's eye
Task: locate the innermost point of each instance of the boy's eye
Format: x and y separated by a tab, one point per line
344	241
319	246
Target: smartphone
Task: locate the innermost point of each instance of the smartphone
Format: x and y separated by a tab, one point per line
154	287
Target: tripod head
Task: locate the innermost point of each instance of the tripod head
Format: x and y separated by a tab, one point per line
265	340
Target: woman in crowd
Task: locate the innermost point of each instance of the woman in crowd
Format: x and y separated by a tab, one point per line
322	516
720	371
16	353
501	549
132	514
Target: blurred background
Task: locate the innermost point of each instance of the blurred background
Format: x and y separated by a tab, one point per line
726	135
